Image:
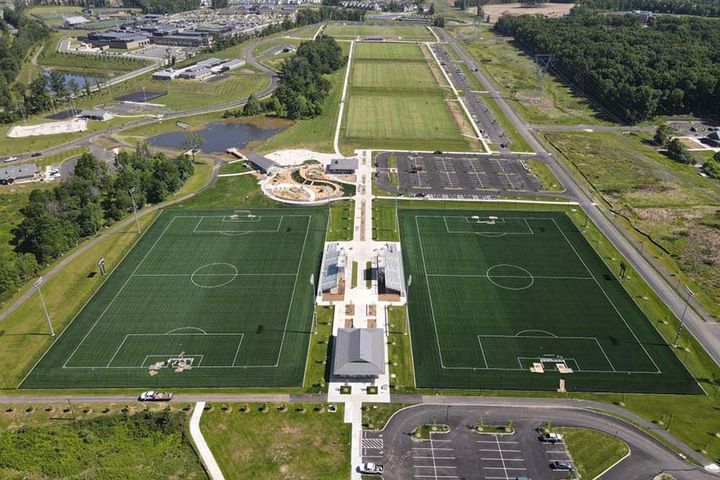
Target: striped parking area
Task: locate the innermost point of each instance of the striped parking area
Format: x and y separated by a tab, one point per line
500	457
434	458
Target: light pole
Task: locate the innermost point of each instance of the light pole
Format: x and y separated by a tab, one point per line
689	293
42	301
137	223
312	304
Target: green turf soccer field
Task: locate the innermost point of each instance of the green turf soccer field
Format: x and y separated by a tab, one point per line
206	298
494	295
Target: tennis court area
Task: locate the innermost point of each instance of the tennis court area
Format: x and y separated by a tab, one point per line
519	300
214	298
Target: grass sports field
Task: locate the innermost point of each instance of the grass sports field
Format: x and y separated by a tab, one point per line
521	290
395	102
206	298
409	32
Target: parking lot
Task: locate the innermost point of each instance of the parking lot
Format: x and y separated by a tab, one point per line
463	453
488	125
453	175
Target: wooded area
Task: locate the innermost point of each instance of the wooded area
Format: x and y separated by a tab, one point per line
303	87
57	219
634	70
702	8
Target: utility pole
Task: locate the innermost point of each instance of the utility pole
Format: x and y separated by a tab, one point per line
688	293
42	301
543	62
137	222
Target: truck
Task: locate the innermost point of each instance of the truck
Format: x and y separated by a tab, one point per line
371	468
550	437
153	396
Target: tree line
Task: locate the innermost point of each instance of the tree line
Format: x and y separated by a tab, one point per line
57	219
303	87
701	8
13	49
636	71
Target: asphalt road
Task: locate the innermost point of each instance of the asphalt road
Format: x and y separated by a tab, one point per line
704	328
464	454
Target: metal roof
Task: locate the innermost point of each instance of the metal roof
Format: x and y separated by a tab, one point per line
330	271
393	268
359	352
259	161
20	171
343	164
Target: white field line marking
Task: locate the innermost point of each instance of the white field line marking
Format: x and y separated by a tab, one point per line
606	296
309	221
119	291
343	100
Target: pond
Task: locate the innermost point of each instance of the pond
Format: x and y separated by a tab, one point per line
217	137
80	79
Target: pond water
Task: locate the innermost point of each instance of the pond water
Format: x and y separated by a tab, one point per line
217	137
79	78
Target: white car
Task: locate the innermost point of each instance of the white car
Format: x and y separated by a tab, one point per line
551	437
10	159
371	468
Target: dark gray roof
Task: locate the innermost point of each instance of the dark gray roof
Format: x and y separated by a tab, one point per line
714	135
260	161
20	171
343	164
359	352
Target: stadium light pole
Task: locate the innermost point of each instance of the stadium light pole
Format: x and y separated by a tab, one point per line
312	304
42	301
688	293
137	223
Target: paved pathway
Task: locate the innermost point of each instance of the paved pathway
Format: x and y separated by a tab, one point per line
206	456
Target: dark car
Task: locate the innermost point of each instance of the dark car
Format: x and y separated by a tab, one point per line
561	465
36	154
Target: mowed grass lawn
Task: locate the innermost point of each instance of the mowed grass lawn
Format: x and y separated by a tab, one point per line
294	442
387	51
400	117
414	32
383	74
395	102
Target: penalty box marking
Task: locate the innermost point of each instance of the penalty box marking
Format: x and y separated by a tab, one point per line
572	247
176	354
142	261
601	349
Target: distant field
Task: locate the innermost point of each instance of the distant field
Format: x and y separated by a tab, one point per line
409	75
410	32
387	51
398	117
396	102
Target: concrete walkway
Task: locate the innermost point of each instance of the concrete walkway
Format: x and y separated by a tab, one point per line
336	142
206	456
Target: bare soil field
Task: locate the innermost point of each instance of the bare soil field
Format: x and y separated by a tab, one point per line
549	10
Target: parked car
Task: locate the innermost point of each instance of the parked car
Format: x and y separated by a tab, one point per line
152	396
10	159
371	468
36	154
561	465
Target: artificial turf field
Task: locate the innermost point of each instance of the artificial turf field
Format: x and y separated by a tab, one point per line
395	102
224	292
489	298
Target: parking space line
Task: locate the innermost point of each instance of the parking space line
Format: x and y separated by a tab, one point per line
505	469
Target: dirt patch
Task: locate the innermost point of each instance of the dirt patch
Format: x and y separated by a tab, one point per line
463	122
434	68
549	10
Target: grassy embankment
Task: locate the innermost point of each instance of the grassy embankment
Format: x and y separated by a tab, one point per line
278	441
56	442
593	452
677	210
515	74
318	359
